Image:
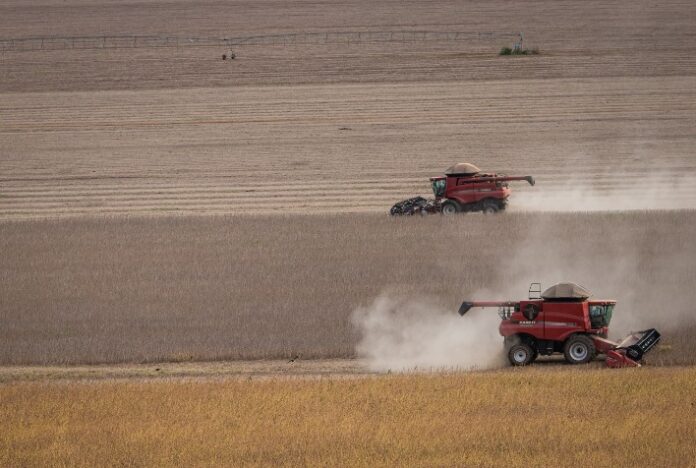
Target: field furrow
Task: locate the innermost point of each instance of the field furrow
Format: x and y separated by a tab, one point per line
341	148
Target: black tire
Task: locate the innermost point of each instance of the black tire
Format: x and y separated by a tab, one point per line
490	207
520	354
450	208
579	349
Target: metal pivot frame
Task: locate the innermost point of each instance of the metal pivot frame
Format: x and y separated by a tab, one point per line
21	44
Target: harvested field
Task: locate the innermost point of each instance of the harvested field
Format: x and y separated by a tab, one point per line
281	65
577	39
227	287
592	417
353	148
604	116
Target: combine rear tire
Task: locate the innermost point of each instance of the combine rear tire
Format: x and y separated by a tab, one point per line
450	208
579	349
520	354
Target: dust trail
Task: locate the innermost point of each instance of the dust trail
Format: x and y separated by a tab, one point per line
629	262
643	260
404	335
610	192
632	264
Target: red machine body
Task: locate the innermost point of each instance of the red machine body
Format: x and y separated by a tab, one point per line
474	192
576	327
554	321
463	188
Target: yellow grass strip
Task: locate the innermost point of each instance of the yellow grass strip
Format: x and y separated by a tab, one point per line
530	417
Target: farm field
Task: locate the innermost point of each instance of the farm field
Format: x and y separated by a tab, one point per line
355	148
603	116
212	370
593	417
577	40
197	267
100	290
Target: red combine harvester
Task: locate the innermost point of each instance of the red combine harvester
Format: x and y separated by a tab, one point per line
462	189
563	320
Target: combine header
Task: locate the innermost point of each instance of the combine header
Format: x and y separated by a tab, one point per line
562	319
462	189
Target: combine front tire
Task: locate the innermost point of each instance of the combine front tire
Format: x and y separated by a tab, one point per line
579	349
450	207
521	354
490	207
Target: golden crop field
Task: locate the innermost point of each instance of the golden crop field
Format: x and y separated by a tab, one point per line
512	418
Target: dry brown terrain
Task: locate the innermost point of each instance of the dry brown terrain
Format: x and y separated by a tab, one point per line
242	370
270	150
609	104
577	39
199	288
603	117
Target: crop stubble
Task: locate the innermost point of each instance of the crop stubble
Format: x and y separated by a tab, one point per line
608	107
340	127
354	148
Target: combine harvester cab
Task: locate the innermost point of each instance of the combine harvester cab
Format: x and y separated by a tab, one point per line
463	189
564	320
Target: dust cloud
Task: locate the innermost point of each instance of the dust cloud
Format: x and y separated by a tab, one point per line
409	335
604	239
617	192
643	260
636	259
